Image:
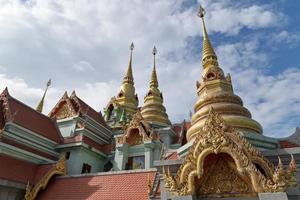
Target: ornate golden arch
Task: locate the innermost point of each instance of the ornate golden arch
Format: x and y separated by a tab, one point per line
58	169
216	138
145	132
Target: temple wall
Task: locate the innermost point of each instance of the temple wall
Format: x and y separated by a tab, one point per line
81	155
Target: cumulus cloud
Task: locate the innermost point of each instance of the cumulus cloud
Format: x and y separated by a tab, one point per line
58	39
274	100
83	66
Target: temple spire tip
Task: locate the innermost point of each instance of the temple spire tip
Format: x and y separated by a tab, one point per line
40	106
154	81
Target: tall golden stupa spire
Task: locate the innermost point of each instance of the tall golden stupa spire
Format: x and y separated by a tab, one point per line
40	106
153	110
129	76
215	90
154	82
127	97
208	53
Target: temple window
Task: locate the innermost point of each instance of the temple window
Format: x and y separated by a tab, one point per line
135	162
86	168
110	111
68	155
210	76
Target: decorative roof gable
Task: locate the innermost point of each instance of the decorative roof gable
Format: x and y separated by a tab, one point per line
17	112
137	132
221	154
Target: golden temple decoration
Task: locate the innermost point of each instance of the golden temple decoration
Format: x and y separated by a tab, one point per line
215	90
153	110
137	132
63	109
220	154
59	168
39	108
126	98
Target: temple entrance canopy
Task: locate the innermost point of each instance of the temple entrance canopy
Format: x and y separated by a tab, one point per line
220	171
221	163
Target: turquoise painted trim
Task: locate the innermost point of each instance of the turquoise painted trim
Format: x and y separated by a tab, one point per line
61	146
81	144
97	127
91	135
21	154
182	151
30	144
26	133
100	125
66	119
94	150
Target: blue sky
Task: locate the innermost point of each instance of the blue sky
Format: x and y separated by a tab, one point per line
84	45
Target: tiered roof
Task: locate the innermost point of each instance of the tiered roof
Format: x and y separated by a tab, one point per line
17	112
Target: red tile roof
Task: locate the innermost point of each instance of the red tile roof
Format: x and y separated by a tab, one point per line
287	144
172	156
97	116
20	145
16	170
125	185
78	107
25	116
20	171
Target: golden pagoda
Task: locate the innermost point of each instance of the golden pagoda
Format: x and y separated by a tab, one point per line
126	101
153	110
215	90
221	162
127	97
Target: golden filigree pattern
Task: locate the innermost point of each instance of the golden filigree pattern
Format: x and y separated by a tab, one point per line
137	132
58	169
217	138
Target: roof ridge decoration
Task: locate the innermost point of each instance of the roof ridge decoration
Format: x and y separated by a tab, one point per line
237	168
59	168
4	96
62	111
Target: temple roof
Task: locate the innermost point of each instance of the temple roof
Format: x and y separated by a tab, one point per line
17	112
76	106
108	185
21	171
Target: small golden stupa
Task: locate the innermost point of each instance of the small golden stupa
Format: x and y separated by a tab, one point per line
153	110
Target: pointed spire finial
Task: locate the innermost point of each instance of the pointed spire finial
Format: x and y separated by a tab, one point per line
129	76
154	81
40	106
208	54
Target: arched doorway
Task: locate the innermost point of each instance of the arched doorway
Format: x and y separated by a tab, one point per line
221	178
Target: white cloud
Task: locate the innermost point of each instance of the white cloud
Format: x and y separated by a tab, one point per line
58	39
83	66
227	18
274	100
